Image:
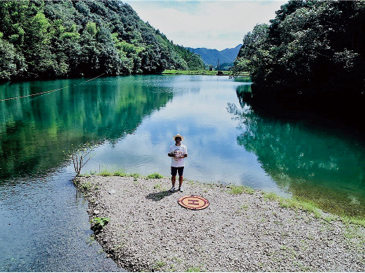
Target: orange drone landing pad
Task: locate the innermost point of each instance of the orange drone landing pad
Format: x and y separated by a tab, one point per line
193	202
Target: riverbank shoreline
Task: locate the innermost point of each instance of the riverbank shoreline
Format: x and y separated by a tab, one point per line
198	72
240	230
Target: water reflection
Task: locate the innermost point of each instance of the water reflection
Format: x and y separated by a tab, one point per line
138	116
198	112
135	118
35	131
313	163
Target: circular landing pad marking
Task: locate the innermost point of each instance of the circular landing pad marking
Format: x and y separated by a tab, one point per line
193	202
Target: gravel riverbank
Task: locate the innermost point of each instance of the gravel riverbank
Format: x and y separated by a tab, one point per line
150	231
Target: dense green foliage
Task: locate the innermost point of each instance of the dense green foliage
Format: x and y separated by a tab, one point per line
193	60
48	39
311	56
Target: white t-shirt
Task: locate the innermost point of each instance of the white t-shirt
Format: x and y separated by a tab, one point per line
179	151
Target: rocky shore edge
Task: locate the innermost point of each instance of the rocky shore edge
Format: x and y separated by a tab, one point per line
141	226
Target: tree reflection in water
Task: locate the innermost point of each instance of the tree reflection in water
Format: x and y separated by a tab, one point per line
35	132
313	164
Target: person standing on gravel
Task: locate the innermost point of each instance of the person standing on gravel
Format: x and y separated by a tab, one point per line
177	152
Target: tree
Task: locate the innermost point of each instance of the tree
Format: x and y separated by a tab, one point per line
12	63
308	57
36	46
79	37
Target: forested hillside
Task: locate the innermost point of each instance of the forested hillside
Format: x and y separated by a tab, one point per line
312	55
49	39
211	56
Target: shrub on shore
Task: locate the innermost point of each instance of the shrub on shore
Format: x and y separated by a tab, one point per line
154	176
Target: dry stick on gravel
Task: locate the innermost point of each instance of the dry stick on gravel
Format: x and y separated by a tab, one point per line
149	231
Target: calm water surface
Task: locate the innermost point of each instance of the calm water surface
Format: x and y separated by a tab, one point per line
133	120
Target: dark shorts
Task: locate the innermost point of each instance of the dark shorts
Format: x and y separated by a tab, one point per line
174	171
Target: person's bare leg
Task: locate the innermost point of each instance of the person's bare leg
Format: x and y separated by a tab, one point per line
173	180
181	179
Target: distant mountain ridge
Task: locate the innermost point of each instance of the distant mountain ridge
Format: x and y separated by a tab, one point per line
211	56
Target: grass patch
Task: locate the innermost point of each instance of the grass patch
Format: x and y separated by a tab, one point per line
310	207
159	265
87	186
234	189
248	190
194	72
244	207
105	173
194	269
271	196
298	204
355	221
331	218
135	176
120	173
295	204
154	176
99	223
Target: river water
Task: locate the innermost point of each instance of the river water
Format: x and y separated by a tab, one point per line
131	121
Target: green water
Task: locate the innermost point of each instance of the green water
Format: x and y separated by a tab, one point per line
35	132
132	119
321	164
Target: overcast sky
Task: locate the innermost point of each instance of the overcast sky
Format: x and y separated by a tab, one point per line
216	24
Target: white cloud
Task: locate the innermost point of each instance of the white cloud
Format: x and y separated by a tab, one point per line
211	24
